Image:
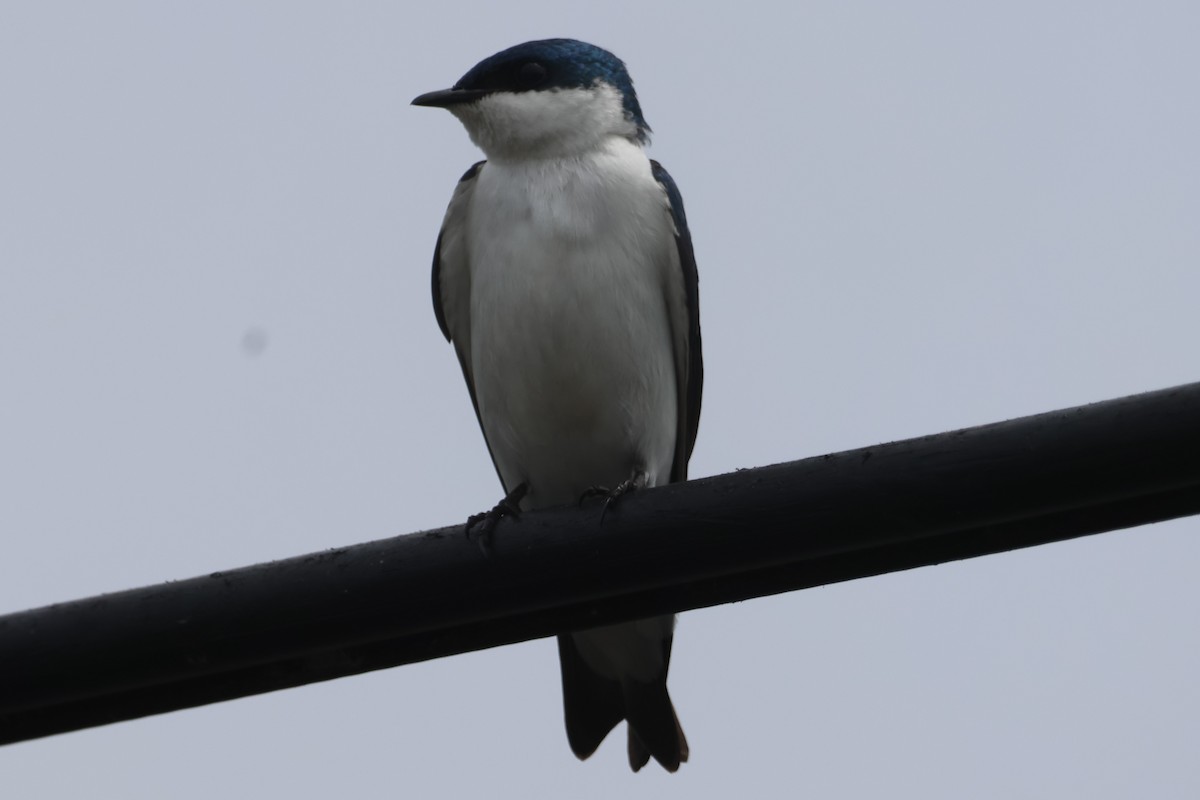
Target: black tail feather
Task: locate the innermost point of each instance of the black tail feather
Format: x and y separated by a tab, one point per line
639	756
654	728
592	705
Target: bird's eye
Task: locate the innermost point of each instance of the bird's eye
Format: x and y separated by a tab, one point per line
531	74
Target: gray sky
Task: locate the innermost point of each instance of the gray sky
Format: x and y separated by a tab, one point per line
217	348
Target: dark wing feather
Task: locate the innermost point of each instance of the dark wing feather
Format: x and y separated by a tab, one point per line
436	278
692	362
452	319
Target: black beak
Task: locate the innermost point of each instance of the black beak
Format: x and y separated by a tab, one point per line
444	98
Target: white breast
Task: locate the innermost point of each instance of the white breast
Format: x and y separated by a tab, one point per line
571	346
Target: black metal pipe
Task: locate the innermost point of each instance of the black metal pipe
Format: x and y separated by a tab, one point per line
750	533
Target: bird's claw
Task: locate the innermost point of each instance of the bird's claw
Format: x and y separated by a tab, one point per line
635	481
593	491
480	526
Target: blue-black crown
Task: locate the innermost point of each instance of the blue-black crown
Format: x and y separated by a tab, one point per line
556	64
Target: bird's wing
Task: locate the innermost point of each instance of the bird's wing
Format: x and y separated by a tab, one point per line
683	306
451	280
452	285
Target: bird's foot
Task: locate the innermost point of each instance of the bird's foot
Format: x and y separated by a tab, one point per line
479	527
593	491
636	480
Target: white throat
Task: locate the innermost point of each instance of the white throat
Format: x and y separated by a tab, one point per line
549	124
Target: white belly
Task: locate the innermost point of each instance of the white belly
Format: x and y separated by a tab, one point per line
570	339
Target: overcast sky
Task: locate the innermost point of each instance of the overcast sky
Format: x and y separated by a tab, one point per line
217	348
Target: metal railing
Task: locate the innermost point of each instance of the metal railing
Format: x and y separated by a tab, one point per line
750	533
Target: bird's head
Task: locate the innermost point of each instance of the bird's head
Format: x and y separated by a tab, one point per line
549	98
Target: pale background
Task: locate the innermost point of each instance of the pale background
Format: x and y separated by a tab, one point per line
217	348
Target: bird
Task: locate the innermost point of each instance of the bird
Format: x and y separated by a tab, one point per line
565	278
